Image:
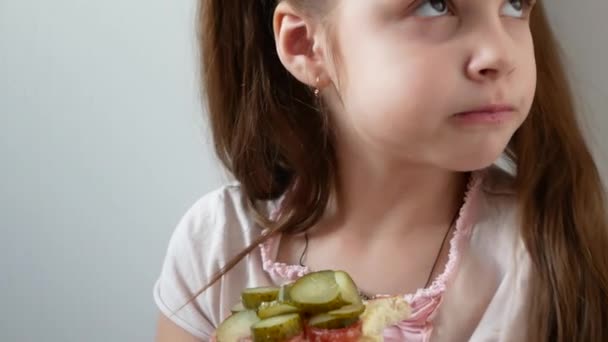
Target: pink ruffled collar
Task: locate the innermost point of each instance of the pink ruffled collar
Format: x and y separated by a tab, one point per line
424	301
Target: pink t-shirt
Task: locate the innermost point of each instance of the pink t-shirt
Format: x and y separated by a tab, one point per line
480	295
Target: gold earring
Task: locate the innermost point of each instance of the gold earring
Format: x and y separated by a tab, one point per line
317	91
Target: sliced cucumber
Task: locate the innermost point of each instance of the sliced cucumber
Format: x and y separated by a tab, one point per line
271	309
237	326
238	308
277	329
327	321
317	292
284	293
348	311
348	289
253	297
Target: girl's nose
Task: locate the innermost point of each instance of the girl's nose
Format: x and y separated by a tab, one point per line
491	55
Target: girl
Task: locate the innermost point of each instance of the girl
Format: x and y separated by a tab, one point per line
363	136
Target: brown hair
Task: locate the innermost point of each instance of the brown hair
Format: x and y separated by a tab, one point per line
272	135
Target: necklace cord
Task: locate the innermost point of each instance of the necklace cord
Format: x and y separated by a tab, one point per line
430	277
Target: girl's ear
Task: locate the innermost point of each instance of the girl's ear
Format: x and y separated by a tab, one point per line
300	45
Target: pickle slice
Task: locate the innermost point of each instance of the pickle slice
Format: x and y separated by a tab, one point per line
271	309
277	329
237	326
348	311
327	321
238	308
253	297
348	289
317	292
284	296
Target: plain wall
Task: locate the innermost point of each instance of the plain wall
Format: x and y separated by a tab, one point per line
581	29
103	148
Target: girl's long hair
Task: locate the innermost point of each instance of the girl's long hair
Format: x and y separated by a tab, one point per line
271	134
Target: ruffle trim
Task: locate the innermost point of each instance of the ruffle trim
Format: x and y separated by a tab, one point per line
464	223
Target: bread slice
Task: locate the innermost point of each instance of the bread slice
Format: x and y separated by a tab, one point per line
382	313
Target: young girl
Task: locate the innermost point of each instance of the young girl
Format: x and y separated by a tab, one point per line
363	136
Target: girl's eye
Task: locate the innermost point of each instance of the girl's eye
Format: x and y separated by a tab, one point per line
515	8
432	8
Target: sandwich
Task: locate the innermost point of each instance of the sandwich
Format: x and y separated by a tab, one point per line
320	306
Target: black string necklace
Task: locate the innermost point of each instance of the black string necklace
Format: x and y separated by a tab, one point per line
367	296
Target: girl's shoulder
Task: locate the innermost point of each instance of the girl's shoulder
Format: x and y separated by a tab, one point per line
218	215
496	233
215	229
493	265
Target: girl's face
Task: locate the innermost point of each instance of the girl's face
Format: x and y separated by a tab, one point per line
406	69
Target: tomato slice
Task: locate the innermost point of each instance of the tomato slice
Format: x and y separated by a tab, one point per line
350	334
299	338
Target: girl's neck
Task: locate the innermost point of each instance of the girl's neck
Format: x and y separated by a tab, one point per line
377	200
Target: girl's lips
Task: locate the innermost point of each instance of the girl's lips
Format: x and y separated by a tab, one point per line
493	114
